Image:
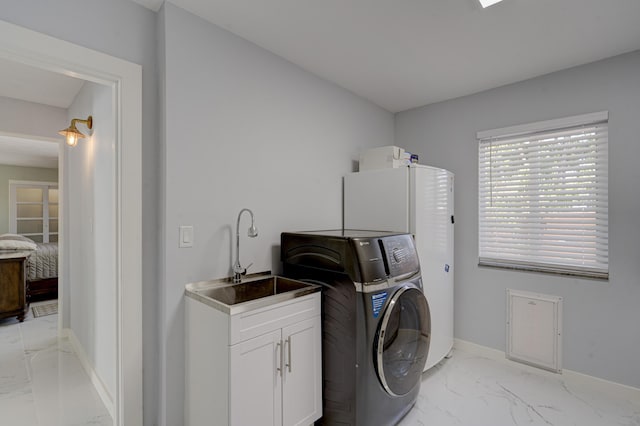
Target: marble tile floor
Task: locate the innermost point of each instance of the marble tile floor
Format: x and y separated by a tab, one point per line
472	390
42	382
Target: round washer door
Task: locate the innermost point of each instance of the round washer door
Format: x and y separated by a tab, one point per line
402	341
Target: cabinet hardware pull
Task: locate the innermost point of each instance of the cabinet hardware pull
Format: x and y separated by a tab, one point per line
289	353
279	356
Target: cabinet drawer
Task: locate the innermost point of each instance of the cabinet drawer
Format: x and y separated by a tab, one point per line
255	323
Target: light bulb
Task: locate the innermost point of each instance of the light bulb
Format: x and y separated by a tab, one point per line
72	140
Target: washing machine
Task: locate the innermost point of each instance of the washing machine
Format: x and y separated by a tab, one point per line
375	320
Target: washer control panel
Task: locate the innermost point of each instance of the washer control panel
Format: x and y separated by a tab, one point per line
401	255
387	256
371	260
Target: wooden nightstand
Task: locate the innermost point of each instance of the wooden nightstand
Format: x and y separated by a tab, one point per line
13	284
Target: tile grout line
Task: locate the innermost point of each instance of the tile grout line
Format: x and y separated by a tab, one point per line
26	363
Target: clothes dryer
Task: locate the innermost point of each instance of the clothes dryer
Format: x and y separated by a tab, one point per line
375	320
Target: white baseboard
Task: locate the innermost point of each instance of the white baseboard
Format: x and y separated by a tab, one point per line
580	379
98	384
476	349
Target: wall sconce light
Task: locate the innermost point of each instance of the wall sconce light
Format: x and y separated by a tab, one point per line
72	134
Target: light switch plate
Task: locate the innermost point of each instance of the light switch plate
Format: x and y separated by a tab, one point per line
185	237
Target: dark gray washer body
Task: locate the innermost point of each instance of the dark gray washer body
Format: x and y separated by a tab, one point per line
352	267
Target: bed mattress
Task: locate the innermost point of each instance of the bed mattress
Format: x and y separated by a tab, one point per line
43	263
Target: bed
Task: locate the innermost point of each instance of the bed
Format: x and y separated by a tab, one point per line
42	272
41	267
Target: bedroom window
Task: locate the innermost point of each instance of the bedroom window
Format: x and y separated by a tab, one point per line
34	210
543	202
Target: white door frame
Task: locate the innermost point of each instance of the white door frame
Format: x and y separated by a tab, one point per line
125	78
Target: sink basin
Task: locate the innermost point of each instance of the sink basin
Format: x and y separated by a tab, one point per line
251	294
253	290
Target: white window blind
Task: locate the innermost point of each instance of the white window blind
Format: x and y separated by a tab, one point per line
543	202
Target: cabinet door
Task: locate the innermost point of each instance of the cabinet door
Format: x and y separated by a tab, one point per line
255	383
302	387
12	288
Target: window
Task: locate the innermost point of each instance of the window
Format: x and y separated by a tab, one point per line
543	201
34	210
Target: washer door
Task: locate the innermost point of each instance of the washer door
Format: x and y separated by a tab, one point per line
402	341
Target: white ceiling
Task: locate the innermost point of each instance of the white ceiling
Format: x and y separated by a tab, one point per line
19	81
406	53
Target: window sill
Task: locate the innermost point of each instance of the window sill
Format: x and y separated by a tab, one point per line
545	269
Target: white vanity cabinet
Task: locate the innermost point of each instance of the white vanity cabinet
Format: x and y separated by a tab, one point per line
259	367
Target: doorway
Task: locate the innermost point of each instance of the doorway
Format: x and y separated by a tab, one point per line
124	80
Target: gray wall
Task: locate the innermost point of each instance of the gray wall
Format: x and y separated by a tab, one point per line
244	128
601	318
128	31
89	231
8	173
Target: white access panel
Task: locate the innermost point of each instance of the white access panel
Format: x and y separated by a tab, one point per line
377	200
534	329
431	213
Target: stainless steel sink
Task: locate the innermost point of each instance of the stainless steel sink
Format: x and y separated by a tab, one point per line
256	292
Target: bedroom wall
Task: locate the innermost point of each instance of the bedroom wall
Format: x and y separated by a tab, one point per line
244	128
126	30
601	318
89	229
8	173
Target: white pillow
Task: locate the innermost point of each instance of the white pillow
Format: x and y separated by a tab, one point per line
16	242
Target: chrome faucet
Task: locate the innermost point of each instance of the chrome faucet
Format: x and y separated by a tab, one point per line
239	271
